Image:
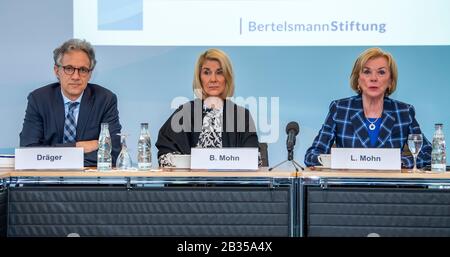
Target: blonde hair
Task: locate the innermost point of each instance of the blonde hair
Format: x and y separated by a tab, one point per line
225	63
363	58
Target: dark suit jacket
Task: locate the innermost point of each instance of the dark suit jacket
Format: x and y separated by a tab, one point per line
238	128
44	118
345	126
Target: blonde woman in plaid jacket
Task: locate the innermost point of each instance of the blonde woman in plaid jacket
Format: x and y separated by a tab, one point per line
370	119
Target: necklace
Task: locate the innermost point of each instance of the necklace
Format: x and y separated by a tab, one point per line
372	124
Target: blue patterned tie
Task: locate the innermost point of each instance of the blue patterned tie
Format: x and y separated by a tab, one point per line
70	126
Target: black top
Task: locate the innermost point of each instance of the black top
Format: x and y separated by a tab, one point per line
182	130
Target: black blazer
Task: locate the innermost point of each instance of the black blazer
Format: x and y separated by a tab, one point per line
238	128
44	118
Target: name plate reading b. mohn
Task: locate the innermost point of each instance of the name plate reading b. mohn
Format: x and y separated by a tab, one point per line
366	158
49	158
245	158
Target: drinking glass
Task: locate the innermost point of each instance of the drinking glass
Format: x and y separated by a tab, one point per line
124	161
415	142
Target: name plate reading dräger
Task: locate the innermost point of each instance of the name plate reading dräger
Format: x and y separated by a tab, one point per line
366	158
49	158
230	158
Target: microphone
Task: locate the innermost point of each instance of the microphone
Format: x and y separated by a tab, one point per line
292	130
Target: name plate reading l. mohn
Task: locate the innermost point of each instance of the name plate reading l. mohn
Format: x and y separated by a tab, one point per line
366	158
49	158
230	158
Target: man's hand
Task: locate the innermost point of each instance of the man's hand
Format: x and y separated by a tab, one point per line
88	146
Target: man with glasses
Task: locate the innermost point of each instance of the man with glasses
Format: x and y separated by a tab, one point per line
69	112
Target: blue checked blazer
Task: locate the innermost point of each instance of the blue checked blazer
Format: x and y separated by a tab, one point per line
345	126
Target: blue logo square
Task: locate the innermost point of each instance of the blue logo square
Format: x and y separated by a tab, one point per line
120	14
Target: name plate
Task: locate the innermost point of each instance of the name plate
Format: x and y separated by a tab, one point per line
366	158
245	158
49	158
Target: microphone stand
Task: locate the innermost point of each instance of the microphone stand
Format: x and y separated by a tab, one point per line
290	159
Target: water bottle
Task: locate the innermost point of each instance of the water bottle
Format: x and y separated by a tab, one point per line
438	157
144	149
104	159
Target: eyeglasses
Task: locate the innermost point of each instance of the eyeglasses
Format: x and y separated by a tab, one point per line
69	70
